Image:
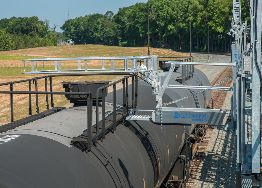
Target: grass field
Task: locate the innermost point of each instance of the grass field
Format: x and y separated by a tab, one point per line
13	58
12	68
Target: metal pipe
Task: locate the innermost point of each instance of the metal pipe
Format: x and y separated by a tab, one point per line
133	91
103	114
136	90
42	93
12	102
51	90
46	98
30	98
124	95
221	88
202	63
114	107
97	111
127	102
36	97
89	121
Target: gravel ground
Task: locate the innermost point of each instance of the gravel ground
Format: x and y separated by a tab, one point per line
210	71
215	165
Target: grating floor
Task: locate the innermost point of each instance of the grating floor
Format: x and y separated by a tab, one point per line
216	163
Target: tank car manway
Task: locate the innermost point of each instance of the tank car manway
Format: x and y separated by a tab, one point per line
147	68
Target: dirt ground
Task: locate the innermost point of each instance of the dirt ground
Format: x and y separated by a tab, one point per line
12	68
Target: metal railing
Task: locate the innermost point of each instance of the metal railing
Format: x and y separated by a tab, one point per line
32	82
124	109
94	132
89	105
83	65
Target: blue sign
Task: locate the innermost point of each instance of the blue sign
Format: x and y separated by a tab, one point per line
195	117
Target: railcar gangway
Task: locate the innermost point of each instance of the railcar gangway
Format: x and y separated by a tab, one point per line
148	69
246	100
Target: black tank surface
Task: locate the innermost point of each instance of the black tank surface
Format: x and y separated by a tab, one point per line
139	154
29	161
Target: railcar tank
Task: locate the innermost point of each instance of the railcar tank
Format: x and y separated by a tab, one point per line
139	154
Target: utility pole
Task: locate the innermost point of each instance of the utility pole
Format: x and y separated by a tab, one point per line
68	14
148	33
208	35
190	39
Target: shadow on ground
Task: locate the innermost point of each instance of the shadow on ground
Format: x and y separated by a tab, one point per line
219	163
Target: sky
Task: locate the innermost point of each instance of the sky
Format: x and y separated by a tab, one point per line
57	11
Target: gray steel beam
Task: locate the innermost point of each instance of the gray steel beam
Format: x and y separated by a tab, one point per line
188	116
201	63
234	61
238	120
219	88
256	85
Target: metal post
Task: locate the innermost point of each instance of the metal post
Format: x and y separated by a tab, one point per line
126	64
133	92
103	65
103	113
51	90
12	102
242	119
238	109
112	65
134	64
114	107
79	65
36	97
127	102
136	90
183	74
146	63
124	95
46	97
30	98
89	121
56	66
97	111
234	60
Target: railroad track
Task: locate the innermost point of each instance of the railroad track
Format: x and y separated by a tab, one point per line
201	147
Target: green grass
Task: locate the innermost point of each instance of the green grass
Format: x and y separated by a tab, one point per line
12	71
14	57
15	68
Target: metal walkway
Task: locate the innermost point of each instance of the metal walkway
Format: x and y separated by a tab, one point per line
147	68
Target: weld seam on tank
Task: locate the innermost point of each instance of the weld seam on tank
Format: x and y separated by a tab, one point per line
113	172
148	147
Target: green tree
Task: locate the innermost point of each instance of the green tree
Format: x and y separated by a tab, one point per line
6	42
95	28
132	24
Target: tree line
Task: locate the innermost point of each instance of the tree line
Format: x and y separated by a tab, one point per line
169	23
25	32
160	23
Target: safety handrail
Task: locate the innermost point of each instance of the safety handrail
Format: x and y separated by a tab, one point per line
89	106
